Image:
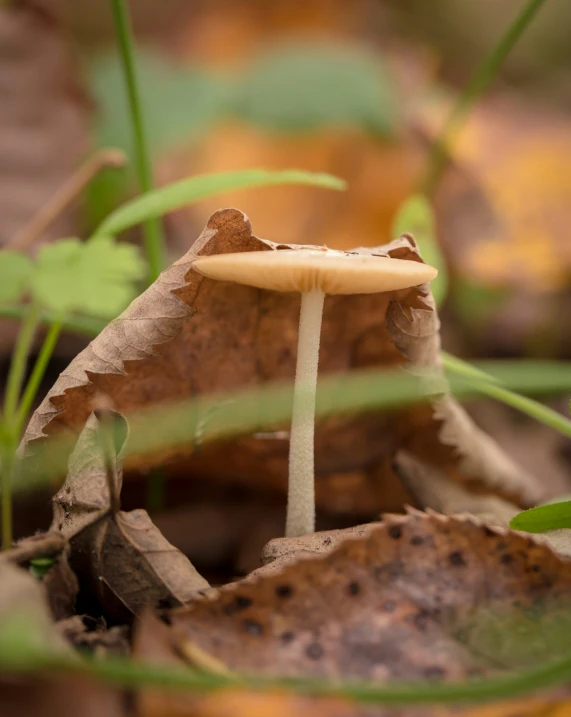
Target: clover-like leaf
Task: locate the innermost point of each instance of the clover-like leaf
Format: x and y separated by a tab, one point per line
96	277
15	272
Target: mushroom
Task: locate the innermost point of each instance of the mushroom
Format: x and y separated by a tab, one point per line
314	273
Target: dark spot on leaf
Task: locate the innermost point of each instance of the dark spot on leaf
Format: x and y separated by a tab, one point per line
389	606
68	490
533	569
456	558
284	591
314	651
395	532
416	540
502	545
354	588
60	526
326	541
252	627
506	558
240	602
287	636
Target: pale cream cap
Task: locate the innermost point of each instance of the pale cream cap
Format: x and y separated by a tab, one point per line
301	270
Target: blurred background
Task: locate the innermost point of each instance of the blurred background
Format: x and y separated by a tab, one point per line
358	89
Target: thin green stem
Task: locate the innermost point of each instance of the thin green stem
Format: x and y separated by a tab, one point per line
132	674
489	386
37	374
19	361
479	81
7	455
152	228
85	325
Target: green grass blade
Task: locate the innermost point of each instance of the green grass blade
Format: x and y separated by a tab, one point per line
544	517
178	194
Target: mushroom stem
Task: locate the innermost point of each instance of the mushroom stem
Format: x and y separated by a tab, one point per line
300	518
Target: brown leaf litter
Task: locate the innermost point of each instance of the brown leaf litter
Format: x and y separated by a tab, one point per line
23	602
418	597
188	336
120	557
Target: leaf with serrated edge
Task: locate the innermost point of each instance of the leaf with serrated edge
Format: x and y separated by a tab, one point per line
216	337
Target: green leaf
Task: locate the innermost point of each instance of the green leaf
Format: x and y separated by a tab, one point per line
544	517
179	104
95	277
40	566
415	216
175	195
15	272
304	87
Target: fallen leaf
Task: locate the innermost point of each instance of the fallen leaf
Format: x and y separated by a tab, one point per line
58	579
25	618
120	557
433	490
519	154
87	634
420	597
189	336
280	552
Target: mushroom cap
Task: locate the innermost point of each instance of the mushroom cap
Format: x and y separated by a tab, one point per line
302	270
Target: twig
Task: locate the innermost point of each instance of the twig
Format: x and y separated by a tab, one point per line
103	159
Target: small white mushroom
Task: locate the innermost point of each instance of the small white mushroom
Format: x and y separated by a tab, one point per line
314	273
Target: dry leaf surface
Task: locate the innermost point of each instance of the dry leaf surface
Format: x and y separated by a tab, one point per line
188	336
421	596
121	556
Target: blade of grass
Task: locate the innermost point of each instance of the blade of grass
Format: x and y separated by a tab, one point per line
248	411
545	517
18	658
479	81
186	191
152	229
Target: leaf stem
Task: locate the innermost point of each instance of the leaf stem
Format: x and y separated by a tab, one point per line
88	326
37	375
72	188
18	364
7	451
479	81
152	228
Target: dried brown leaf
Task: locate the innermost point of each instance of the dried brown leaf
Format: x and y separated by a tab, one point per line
421	596
23	602
434	491
121	557
189	336
59	582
